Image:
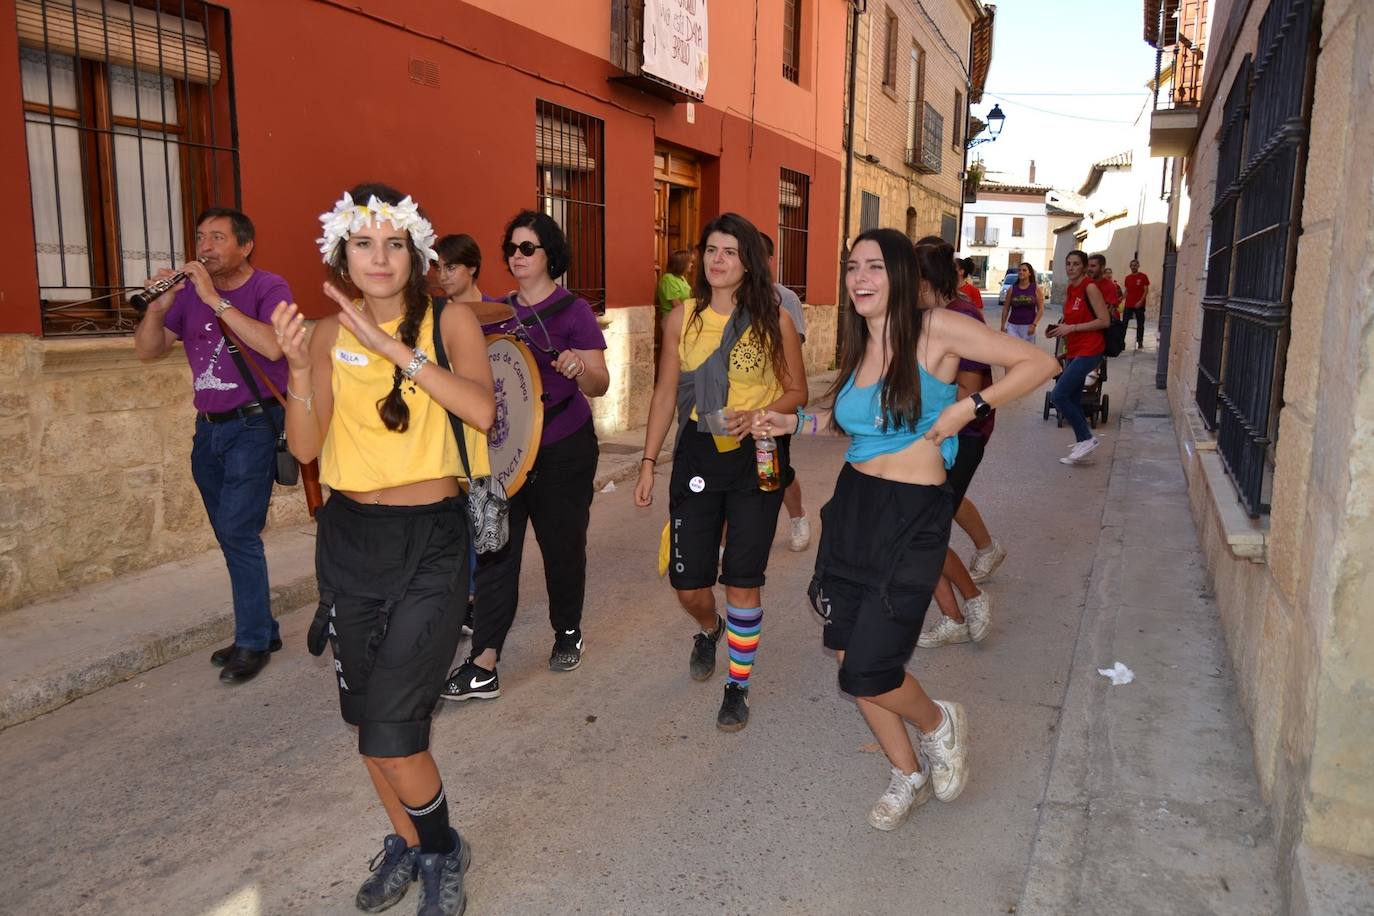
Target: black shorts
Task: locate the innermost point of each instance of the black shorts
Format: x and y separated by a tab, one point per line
709	489
881	551
965	465
393	589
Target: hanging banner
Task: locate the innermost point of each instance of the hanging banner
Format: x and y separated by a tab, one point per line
675	42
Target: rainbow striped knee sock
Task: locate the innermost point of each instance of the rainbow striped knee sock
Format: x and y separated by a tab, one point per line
742	625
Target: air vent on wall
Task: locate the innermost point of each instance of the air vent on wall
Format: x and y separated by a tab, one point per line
424	72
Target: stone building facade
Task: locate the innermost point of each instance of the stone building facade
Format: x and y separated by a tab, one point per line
1270	373
918	68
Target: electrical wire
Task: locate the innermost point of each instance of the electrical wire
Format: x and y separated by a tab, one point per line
1059	114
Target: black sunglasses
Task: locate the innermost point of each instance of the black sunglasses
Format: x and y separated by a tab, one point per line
526	248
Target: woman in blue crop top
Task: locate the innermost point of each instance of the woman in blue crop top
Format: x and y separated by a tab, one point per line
885	530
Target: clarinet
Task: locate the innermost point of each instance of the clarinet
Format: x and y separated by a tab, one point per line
141	301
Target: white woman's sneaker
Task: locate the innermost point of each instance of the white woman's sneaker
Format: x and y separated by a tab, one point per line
946	632
984	562
904	794
1081	451
946	750
800	533
978	616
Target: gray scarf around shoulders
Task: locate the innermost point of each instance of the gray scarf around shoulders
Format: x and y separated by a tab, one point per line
707	387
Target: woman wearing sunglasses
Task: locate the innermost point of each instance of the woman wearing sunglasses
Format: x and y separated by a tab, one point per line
736	352
557	495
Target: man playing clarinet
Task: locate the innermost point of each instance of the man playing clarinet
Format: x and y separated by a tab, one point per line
237	418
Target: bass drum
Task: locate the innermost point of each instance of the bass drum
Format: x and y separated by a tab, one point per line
513	440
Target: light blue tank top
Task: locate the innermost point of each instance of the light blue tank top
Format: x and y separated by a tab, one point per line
857	410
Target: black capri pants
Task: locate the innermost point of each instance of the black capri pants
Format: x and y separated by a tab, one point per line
881	551
393	585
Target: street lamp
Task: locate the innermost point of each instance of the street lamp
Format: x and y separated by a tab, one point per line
995	119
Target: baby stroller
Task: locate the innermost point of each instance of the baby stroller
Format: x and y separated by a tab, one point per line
1094	402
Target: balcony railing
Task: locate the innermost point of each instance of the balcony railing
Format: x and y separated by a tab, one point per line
987	238
1178	83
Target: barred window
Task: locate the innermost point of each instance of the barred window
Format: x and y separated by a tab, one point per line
571	187
870	211
1243	353
932	140
130	130
794	212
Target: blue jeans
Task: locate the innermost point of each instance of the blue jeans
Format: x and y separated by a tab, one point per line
1068	394
233	463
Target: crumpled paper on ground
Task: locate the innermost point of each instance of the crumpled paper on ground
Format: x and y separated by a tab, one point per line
1119	674
609	487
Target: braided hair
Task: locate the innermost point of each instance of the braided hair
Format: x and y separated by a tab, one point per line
392	408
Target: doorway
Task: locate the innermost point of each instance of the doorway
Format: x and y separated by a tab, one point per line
677	203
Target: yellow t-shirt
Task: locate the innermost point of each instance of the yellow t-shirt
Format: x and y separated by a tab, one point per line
359	453
752	382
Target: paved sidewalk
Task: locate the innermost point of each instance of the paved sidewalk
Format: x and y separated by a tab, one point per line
1152	804
74	644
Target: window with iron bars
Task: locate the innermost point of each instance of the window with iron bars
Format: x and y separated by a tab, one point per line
791	40
571	187
1259	220
930	157
794	212
129	131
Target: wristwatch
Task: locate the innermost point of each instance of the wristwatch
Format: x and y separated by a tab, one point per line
981	408
221	306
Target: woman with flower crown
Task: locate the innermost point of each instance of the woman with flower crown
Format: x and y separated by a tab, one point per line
367	398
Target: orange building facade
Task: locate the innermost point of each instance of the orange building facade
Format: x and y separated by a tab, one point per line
121	121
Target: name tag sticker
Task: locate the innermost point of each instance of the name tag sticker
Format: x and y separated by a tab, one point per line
353	359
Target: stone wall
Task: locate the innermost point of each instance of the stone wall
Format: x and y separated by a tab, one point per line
1296	591
96	448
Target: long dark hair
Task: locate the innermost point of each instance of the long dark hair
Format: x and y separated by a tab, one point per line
394	412
755	296
901	385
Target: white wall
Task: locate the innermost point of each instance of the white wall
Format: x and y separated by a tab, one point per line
1035	242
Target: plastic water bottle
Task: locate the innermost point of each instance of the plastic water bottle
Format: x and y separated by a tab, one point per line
766	461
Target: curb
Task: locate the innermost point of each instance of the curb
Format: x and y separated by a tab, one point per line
56	689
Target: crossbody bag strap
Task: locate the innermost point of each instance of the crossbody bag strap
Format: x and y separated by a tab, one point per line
441	357
239	355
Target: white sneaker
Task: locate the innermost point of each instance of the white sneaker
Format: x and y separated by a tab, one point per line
984	562
945	633
800	533
978	616
1081	451
904	794
946	751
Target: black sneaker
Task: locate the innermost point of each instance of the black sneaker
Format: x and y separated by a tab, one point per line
393	870
441	880
703	662
734	709
567	651
467	619
471	682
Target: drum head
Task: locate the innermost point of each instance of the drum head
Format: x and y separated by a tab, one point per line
513	440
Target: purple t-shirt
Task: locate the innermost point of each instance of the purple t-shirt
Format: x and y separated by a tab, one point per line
573	328
214	376
978	428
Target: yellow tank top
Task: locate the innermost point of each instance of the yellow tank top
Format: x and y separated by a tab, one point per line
752	383
359	452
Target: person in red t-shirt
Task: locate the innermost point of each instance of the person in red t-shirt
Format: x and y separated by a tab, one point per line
1137	284
965	266
1085	317
1101	275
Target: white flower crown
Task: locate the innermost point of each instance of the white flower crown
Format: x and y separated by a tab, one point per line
348	217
